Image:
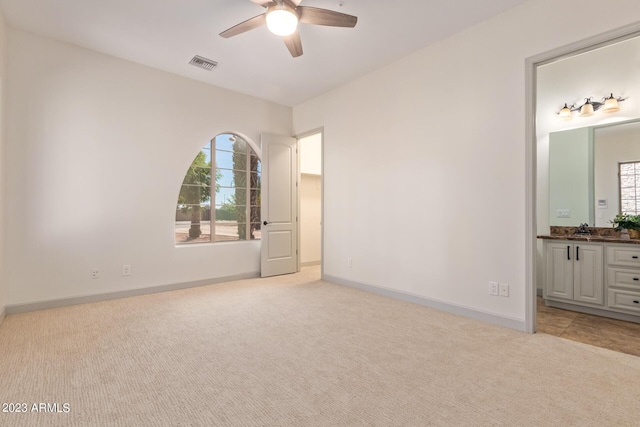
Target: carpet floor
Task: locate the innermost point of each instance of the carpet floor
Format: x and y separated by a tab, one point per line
297	351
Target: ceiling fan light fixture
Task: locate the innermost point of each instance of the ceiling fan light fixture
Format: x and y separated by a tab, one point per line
282	21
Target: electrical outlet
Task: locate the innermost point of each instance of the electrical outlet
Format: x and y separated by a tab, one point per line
95	273
493	288
563	213
349	262
504	290
126	270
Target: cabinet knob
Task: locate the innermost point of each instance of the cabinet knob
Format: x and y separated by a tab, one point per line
635	301
636	279
635	257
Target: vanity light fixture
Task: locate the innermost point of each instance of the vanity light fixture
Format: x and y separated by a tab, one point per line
566	113
609	104
587	108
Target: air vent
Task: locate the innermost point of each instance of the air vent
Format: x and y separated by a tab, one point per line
205	63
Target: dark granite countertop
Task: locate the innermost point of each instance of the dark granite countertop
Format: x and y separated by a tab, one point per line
590	238
598	234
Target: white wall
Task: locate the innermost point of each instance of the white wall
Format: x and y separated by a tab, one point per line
451	178
3	85
98	149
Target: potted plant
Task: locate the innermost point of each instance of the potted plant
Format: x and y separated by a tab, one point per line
631	223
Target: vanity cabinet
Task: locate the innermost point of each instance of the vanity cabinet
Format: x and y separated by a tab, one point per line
623	279
575	272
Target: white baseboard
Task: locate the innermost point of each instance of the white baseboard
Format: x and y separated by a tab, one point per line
309	263
471	313
64	302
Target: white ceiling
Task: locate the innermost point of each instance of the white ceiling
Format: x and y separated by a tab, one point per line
166	34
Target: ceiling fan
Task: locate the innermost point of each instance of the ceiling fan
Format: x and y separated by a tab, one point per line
282	18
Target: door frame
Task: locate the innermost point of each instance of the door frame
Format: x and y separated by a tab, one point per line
531	64
298	137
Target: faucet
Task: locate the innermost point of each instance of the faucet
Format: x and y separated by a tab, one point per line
582	229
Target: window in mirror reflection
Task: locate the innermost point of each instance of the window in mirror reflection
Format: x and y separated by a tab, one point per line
630	188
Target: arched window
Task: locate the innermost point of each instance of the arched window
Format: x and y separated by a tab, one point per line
226	208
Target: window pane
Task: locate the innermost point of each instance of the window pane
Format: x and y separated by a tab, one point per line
228	160
198	175
626	168
627	181
230	212
206	152
225	178
255	165
193	224
224	160
240	178
256	233
229	142
255	198
226	231
630	188
194	195
240	146
225	195
224	142
241	196
255	214
254	180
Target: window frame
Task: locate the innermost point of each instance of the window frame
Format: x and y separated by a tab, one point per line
636	174
214	204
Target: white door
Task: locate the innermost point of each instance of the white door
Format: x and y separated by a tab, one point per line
278	207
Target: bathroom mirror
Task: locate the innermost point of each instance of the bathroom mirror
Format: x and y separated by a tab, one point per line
584	167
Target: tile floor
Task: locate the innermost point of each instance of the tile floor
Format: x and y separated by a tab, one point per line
599	331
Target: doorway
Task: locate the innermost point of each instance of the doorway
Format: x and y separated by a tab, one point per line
542	119
310	197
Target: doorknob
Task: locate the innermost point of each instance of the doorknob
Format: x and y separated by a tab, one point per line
265	223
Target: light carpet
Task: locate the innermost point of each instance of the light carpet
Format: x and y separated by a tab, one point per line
296	351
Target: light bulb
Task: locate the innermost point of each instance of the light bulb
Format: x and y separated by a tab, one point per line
282	21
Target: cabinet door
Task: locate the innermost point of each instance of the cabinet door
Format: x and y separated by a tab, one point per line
559	270
588	276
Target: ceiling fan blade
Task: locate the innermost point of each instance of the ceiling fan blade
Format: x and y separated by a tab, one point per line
316	16
263	3
245	26
294	44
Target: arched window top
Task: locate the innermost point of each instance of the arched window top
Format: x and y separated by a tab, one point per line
227	207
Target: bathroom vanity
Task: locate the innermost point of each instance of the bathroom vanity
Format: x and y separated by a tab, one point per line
596	274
